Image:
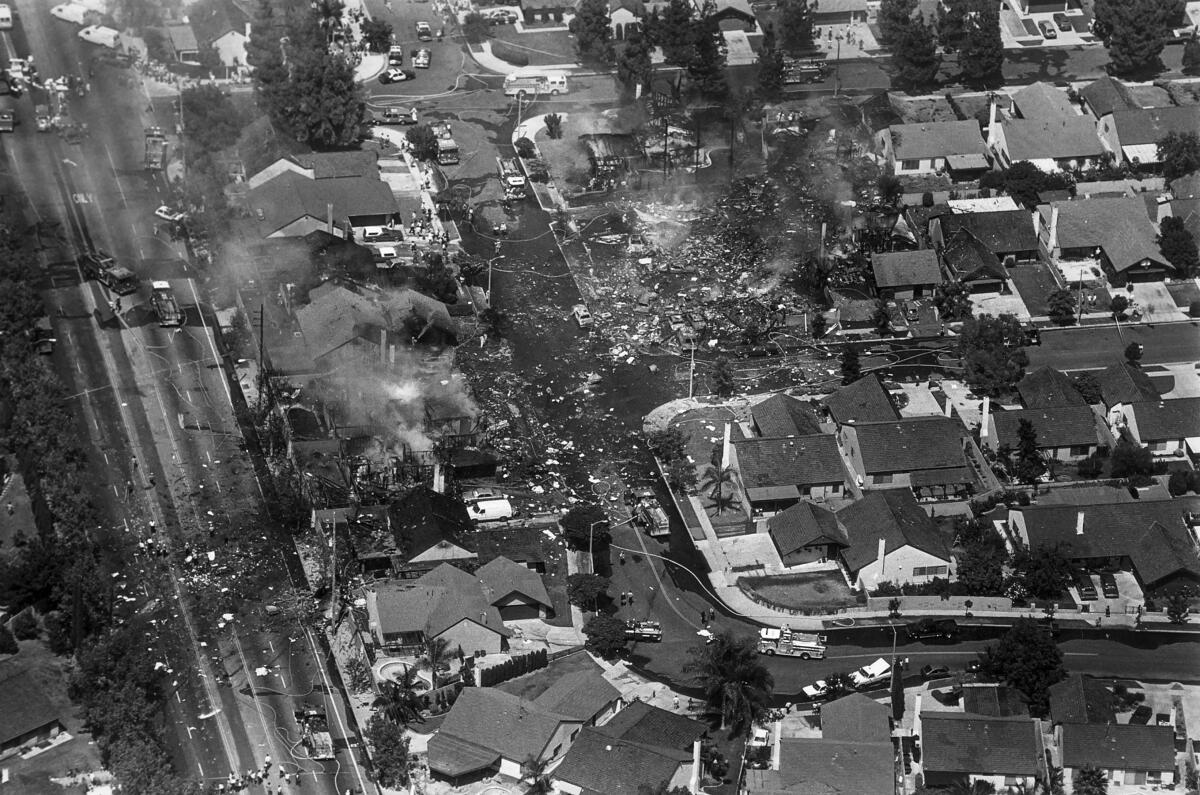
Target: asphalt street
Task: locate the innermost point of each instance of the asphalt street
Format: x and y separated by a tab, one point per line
1094	348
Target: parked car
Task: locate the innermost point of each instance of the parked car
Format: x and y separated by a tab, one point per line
422	59
1083	584
395	55
582	316
872	674
165	213
1063	22
816	691
488	505
397	116
934	671
1047	30
932	629
500	16
1108	584
424	33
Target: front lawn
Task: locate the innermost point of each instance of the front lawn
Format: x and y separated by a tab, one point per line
542	47
1034	282
826	590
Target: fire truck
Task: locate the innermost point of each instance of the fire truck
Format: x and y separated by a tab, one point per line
512	178
100	266
156	149
643	630
315	733
806	646
165	305
797	71
447	149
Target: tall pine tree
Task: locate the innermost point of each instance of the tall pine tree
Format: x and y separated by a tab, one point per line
894	16
770	67
675	32
592	29
981	54
795	26
1136	31
949	19
633	63
915	56
706	71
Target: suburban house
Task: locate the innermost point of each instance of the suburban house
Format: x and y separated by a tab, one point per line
1046	388
1006	752
865	400
838	12
1064	433
934	147
429	528
929	455
1133	135
585	695
223	27
1122	383
516	591
446	603
1116	231
1106	95
1056	144
1009	234
490	731
1167	427
1081	699
339	192
182	44
1154	539
641	746
776	473
784	415
1042	101
856	717
890	538
906	274
1129	754
28	718
546	11
970	262
805	533
625	17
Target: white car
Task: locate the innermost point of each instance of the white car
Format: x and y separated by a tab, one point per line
165	213
582	316
70	12
98	34
814	691
871	674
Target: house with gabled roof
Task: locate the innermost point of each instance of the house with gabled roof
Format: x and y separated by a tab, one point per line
1167	427
934	147
1009	234
776	473
1133	135
1117	231
783	415
1130	754
581	695
865	400
931	456
970	262
906	274
856	717
1122	383
1042	101
1105	95
430	529
890	538
27	717
805	533
223	26
1052	144
959	747
1081	699
516	591
182	44
1064	433
1046	387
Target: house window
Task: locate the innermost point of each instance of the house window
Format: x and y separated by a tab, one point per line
1011	781
930	571
1078	450
574	734
556	752
910	165
1154	776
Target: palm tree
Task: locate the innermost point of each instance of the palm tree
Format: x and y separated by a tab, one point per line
735	683
435	657
721	483
399	699
968	788
533	770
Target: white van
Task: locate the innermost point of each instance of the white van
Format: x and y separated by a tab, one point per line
70	12
98	34
6	17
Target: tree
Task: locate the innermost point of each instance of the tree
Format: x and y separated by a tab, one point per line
1062	307
376	34
723	377
1137	31
674	32
993	359
915	55
981	53
553	126
953	301
1179	153
981	570
1044	575
423	141
818	325
633	63
1178	608
1089	386
736	685
585	525
894	18
8	644
1090	781
1030	465
1133	353
390	755
1191	56
770	69
850	366
210	118
536	773
669	444
475	28
721	484
706	70
605	636
1129	459
584	589
1119	304
592	29
435	658
1027	658
398	698
1024	181
795	26
949	19
1179	246
881	318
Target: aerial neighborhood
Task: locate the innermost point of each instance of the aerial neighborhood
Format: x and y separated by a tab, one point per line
600	397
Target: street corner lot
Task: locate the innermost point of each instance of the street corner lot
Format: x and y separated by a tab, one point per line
809	591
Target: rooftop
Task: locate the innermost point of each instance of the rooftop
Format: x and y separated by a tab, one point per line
1125	383
291	197
865	400
1043	101
954	742
784	415
936	139
894	516
906	268
1051	139
1163	420
1119	226
501	577
580	695
641	722
802	525
434	603
600	763
1108	94
1002	231
1047	387
1081	699
1118	746
856	718
1061	426
791	461
424	518
813	766
26	707
970	259
1151	125
911	444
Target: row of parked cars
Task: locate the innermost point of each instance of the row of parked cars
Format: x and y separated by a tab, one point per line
1086	586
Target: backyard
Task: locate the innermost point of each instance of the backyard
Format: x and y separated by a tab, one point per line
814	591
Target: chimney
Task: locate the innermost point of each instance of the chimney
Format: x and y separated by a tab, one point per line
983	420
1079	523
329	217
694	780
1053	244
991	116
882	554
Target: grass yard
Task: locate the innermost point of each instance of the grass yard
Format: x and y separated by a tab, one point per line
803	591
542	47
530	543
1034	282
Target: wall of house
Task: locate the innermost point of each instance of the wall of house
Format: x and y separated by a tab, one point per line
1107	132
900	567
822	491
1002	783
30	738
605	715
922	166
804	555
1069	454
231	49
471	637
515	607
1124	777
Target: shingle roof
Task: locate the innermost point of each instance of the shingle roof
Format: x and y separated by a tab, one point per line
502	576
803	524
1051	139
434	603
784	415
994	701
1042	101
641	722
182	38
1151	533
1106	95
1119	226
812	766
580	695
26	707
1081	699
1151	125
1047	387
331	165
953	742
1187	186
936	139
1127	746
856	718
211	21
1124	383
1062	426
424	518
791	461
970	259
485	722
1163	420
290	197
894	516
906	268
1002	231
911	444
863	401
600	763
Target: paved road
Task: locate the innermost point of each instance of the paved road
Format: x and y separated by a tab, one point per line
1093	348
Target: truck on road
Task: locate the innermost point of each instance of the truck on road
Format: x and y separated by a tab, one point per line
524	83
315	733
156	149
447	148
643	630
165	305
512	178
785	642
103	268
796	71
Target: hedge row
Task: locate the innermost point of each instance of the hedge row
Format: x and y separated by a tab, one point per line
508	52
513	667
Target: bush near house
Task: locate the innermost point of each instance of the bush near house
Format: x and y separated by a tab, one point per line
507	52
513	667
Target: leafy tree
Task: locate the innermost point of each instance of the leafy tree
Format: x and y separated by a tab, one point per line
981	569
1027	658
1179	483
8	644
1129	460
818	325
1178	246
1089	386
210	118
585	524
674	32
592	28
390	755
669	444
633	63
736	685
1133	352
1062	307
1179	153
1191	56
475	28
981	53
1044	575
953	301
723	381
1090	781
681	474
423	141
1030	465
1178	608
881	317
1118	305
706	70
1024	181
915	55
795	26
1137	31
949	19
770	69
850	366
584	589
536	773
894	19
605	636
377	34
993	359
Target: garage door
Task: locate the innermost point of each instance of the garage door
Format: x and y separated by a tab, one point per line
518	612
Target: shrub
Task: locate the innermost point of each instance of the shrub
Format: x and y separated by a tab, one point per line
525	148
1194	309
24	625
507	52
1090	467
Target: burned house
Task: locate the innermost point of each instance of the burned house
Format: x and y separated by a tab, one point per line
408	538
612	154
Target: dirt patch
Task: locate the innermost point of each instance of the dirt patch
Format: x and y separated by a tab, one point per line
823	589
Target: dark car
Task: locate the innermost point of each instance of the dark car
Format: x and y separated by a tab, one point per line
934	671
1108	584
932	629
1063	22
1083	583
